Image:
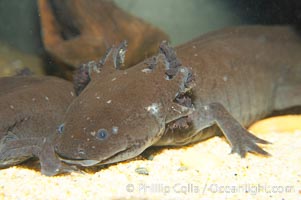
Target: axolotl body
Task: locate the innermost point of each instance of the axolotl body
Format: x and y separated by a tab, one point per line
216	84
31	109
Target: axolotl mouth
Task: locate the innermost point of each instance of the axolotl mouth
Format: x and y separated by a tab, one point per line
119	156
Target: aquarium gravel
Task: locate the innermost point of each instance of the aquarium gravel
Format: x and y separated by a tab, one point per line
205	170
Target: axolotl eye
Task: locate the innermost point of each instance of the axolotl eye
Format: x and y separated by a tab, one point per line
101	134
60	128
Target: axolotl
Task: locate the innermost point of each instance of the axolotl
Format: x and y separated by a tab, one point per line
31	109
216	84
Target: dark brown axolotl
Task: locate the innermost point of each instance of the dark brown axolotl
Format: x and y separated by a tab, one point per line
30	111
217	83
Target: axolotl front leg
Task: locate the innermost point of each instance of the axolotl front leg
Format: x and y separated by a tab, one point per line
205	116
241	140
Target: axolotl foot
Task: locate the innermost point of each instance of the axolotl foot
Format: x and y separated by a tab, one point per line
241	140
55	167
246	142
50	164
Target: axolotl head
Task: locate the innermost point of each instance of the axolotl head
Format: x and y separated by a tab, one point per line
118	115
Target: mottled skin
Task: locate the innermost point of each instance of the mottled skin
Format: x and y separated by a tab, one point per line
30	111
239	75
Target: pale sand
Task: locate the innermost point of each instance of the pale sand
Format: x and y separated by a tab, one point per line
202	171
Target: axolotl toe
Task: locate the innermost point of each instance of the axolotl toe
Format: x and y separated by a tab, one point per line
216	84
31	108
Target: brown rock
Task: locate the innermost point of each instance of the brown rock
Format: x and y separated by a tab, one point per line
77	31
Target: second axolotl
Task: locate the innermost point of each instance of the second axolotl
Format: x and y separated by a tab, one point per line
216	84
31	108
